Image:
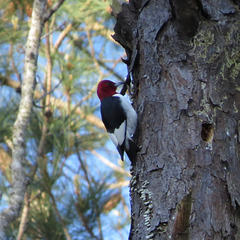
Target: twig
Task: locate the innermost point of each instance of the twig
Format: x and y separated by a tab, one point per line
93	90
93	55
126	84
24	216
100	227
47	93
49	33
118	184
83	166
52	10
85	221
62	35
110	164
100	62
59	217
41	107
13	64
48	82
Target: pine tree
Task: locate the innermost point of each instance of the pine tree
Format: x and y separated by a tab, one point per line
184	57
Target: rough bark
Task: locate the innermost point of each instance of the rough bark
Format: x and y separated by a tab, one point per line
185	57
19	180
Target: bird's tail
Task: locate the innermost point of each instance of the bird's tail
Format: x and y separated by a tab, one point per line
132	151
121	151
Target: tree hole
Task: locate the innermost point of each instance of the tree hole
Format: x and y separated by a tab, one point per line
207	132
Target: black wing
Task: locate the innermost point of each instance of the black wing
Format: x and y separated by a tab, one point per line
112	113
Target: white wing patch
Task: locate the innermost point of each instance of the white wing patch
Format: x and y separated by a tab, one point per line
131	116
119	134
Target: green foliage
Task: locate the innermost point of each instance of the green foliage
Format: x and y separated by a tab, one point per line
88	11
7	117
89	202
42	219
68	187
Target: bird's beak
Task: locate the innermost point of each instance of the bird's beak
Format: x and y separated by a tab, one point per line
118	84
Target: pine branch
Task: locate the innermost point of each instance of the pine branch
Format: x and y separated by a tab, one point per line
58	102
110	164
13	63
5	162
99	61
48	82
62	36
93	54
24	216
59	217
52	10
49	33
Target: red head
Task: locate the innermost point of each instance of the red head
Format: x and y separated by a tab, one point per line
107	88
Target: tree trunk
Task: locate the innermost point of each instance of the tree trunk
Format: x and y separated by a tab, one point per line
185	60
19	180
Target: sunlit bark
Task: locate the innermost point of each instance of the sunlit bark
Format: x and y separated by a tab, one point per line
185	54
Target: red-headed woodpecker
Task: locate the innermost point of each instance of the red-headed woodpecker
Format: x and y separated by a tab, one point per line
119	118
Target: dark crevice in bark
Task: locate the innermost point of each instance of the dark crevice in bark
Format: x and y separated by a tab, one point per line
186	15
139	5
182	220
202	12
236	2
207	132
172	8
164	26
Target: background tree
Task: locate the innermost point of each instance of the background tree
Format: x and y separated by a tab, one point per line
185	59
73	191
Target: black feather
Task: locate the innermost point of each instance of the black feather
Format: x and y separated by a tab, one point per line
112	113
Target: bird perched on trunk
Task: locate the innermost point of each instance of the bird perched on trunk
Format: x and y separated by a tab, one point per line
119	118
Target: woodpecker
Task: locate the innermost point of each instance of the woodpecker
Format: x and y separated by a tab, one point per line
119	118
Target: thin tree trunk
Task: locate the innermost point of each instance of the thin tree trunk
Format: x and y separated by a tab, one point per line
24	216
185	60
19	181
